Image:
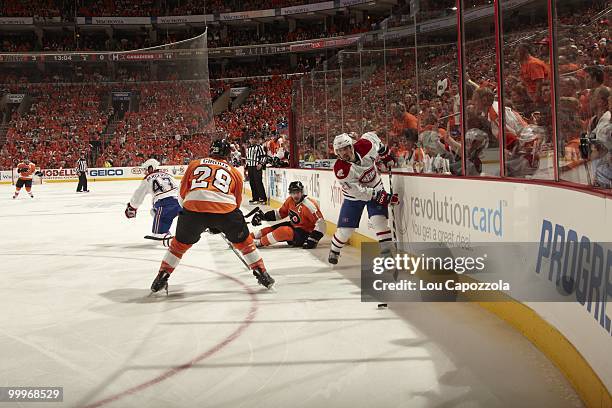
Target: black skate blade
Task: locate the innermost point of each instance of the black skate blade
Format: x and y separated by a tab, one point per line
153	238
262	281
153	292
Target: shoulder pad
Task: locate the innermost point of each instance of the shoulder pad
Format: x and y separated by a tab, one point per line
341	169
362	147
310	204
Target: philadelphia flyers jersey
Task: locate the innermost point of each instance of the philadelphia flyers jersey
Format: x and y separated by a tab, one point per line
26	175
305	215
211	186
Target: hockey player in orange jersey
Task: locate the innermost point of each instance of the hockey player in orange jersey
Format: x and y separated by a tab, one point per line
305	227
26	171
211	194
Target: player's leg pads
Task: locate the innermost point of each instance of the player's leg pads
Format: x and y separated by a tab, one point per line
253	259
156	220
173	255
385	238
340	238
166	212
280	234
249	252
260	233
190	226
299	237
232	225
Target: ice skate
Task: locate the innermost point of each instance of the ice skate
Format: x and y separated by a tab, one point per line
160	282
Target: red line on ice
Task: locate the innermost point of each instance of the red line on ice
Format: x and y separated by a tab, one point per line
175	370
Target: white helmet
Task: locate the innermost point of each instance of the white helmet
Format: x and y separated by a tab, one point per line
341	141
150	163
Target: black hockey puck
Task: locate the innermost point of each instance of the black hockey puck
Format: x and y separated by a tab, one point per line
382	305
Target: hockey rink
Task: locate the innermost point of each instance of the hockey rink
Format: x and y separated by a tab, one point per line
77	314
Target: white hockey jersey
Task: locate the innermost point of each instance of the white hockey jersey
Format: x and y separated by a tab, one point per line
360	180
159	184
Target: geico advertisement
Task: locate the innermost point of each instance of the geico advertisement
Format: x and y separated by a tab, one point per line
93	173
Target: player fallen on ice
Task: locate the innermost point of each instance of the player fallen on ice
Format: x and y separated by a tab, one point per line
304	228
164	194
211	194
26	171
357	172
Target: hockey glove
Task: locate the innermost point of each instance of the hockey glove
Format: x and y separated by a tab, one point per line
260	216
130	211
257	217
386	158
313	240
384	198
39	173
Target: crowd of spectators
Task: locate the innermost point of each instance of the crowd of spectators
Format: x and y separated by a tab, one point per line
378	91
62	121
170	120
136	8
79	40
423	125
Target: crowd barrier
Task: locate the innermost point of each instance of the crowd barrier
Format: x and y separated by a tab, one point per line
576	336
93	174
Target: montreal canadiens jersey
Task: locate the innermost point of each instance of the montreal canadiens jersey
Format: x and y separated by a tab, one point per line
305	215
159	184
360	179
211	186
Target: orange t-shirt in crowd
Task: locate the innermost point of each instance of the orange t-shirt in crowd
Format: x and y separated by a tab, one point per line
211	186
440	131
26	175
272	147
532	70
408	121
304	214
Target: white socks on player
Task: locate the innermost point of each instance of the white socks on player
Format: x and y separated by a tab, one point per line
340	238
380	224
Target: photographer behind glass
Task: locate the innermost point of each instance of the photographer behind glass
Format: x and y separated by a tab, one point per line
597	148
595	144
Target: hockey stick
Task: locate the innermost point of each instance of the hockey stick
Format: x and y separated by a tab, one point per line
252	212
235	251
393	228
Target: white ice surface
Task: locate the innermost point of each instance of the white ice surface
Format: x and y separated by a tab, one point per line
75	313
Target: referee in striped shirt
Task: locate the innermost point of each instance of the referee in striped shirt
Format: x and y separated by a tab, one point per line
255	161
81	169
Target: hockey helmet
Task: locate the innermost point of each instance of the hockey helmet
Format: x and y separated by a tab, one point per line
220	148
341	141
296	186
150	163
